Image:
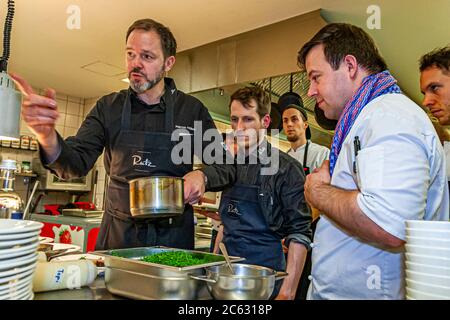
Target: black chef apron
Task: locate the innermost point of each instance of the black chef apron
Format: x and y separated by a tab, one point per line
142	154
246	231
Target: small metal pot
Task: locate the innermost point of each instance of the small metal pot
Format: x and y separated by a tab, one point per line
156	197
249	282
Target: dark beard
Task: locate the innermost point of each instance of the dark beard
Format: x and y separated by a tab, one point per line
292	138
148	84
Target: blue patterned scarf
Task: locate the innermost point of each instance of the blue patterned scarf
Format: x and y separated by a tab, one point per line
372	86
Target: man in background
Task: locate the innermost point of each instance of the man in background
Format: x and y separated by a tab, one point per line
309	154
435	86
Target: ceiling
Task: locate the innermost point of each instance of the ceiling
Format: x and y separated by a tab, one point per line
47	53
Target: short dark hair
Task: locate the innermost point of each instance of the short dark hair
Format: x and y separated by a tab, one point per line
439	58
168	42
341	39
245	95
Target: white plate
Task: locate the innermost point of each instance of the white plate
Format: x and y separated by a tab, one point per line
431	251
16	273
428	278
12	264
419	295
87	256
428	233
46	240
6	262
427	288
14	236
69	247
13	243
23	296
19	294
422	224
428	260
19	251
10	226
17	283
417	267
27	281
428	242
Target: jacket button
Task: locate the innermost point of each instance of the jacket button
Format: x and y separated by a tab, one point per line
312	245
310	278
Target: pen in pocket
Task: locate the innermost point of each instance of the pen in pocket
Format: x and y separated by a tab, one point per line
357	147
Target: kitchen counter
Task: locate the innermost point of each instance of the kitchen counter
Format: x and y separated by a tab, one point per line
96	291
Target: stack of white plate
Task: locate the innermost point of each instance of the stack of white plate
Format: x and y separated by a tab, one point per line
19	240
427	260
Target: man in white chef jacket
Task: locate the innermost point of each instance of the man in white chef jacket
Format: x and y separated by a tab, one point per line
386	166
435	86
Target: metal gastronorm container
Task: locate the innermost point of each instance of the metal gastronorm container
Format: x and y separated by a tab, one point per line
126	275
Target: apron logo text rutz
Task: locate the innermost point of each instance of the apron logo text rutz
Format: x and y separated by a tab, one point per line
233	209
138	161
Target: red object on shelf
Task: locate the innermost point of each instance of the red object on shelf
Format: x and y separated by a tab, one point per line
85	205
52	209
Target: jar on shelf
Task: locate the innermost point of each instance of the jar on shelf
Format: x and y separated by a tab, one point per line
6	143
33	144
26	167
15	144
24	142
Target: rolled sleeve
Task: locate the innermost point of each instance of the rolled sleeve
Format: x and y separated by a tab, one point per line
294	209
393	172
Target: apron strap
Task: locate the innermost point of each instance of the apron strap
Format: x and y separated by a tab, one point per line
305	156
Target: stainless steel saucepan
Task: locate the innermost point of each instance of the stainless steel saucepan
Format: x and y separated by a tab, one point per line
156	197
249	282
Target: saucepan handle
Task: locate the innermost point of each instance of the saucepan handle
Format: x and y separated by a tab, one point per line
202	278
281	275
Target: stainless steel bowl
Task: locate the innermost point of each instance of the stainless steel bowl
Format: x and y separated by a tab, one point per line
155	197
249	282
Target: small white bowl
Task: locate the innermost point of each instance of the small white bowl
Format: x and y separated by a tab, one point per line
428	251
427	288
423	268
428	242
428	260
419	295
428	233
422	224
428	278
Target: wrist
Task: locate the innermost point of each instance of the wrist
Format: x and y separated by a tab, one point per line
49	141
205	178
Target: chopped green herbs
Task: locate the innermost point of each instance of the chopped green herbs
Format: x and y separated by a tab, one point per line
181	258
114	254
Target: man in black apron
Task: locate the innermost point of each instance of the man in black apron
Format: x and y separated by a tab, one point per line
298	133
133	127
257	209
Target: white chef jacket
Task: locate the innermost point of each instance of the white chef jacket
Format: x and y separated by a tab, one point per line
317	154
401	175
447	156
